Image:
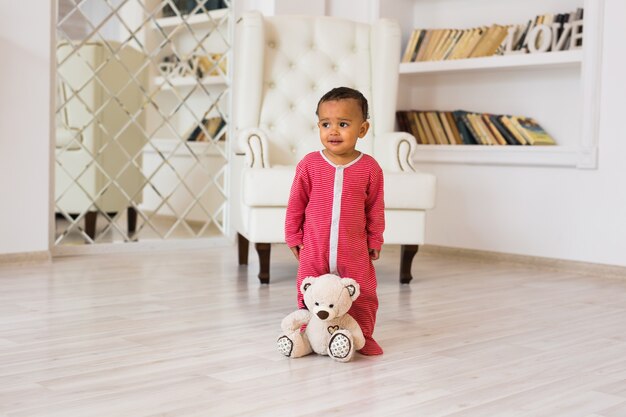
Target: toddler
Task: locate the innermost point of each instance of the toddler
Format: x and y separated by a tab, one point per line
335	215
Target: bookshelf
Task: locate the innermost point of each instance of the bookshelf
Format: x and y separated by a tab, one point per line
188	150
186	37
539	60
188	82
559	89
213	18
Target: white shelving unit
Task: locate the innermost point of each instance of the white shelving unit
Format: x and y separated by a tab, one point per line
188	35
559	89
171	146
187	82
540	60
201	19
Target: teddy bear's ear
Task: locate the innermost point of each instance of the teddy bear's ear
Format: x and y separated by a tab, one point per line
306	283
352	286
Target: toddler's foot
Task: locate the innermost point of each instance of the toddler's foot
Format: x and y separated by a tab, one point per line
371	348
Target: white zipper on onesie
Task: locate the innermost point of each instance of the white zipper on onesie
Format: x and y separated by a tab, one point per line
334	220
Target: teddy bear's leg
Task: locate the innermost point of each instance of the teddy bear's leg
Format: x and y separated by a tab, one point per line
294	345
341	346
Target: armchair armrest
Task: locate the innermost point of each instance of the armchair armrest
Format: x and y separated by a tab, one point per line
395	151
253	142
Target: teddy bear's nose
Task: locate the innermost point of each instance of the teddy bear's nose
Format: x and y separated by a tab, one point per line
322	314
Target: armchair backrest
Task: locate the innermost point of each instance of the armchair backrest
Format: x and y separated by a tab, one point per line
286	63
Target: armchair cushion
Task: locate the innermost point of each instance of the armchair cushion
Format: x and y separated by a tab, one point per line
267	187
409	190
403	190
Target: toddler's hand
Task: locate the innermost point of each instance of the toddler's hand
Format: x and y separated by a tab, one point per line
374	254
296	251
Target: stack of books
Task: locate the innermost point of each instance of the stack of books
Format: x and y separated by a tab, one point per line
442	44
466	128
445	44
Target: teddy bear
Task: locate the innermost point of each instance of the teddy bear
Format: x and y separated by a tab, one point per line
330	330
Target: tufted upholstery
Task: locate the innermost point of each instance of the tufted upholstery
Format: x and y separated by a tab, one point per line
284	65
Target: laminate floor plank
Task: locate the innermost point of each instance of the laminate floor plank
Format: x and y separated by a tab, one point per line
191	334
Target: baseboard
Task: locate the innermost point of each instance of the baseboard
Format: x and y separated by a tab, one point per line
25	257
139	247
585	268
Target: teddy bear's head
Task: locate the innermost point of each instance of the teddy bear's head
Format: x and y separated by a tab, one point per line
329	296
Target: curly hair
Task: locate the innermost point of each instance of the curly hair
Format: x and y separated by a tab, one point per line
342	93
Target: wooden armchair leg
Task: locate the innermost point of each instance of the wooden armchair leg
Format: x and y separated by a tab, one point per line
131	220
91	218
406	260
243	246
263	249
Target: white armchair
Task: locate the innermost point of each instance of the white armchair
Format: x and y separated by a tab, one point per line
284	65
100	127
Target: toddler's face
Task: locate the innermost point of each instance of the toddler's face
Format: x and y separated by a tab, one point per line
341	124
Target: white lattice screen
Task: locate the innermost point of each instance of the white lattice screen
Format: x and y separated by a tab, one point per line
142	119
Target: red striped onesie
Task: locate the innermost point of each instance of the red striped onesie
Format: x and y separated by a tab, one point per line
337	213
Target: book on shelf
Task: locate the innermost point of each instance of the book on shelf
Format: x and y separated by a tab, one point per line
506	134
418	54
532	131
492	42
473	38
432	43
461	44
496	39
497	135
446	127
436	128
479	127
458	139
456	40
402	121
461	127
413	126
429	137
466	136
471	127
211	129
420	130
447	39
506	121
416	36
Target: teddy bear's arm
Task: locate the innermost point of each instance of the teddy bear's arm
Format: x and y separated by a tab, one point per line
349	323
295	320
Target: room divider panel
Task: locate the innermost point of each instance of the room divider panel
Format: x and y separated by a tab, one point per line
142	119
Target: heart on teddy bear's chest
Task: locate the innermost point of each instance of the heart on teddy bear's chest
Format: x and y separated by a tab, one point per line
332	329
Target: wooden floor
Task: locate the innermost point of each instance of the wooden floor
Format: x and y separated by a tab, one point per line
191	334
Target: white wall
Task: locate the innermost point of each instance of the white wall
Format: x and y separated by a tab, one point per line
560	213
24	126
548	212
282	7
